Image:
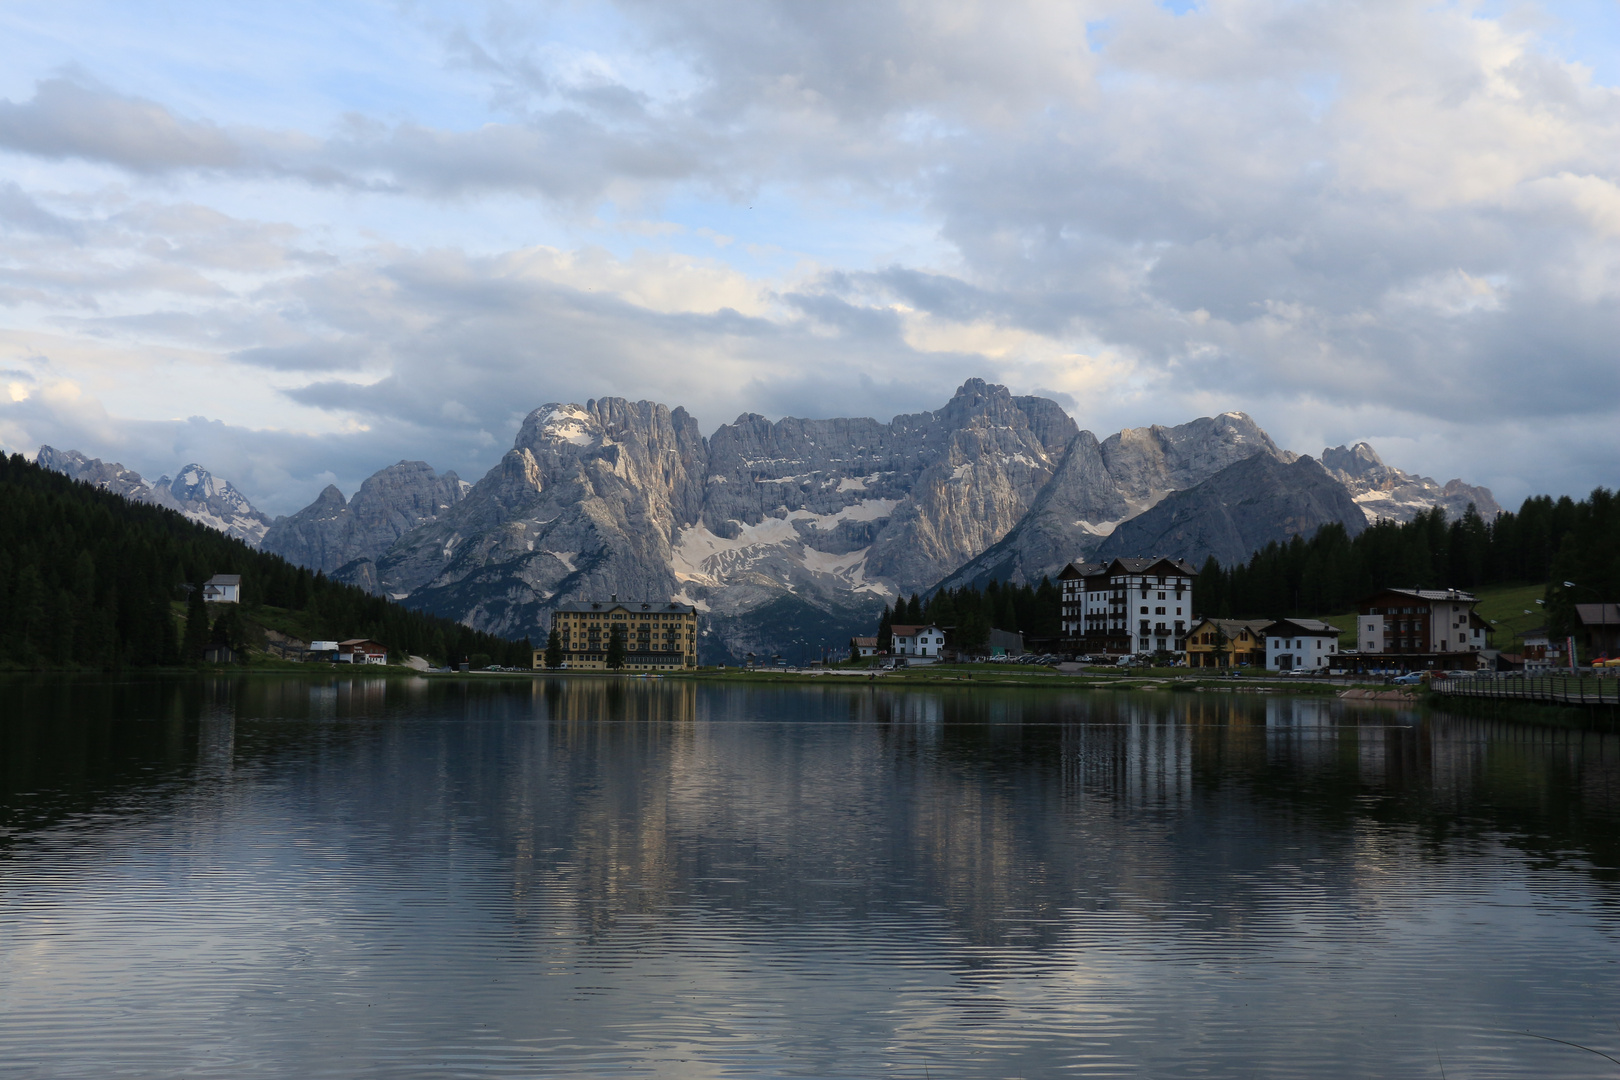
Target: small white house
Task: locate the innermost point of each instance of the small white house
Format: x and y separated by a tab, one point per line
1300	644
223	589
918	642
864	646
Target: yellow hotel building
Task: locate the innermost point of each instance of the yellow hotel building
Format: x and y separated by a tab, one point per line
657	637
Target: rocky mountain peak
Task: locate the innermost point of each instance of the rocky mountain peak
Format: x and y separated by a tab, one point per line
195	493
332	532
1383	491
1357	460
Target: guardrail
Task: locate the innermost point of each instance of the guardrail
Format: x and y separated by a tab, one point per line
1547	689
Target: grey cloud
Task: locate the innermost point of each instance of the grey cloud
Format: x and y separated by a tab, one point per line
67	119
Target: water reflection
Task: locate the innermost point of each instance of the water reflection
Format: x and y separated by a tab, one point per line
353	876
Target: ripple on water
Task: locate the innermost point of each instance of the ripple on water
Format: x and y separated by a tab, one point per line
680	882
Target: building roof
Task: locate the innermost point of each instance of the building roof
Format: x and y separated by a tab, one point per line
224	579
632	606
360	641
865	642
1426	594
1302	628
913	629
1598	614
1232	626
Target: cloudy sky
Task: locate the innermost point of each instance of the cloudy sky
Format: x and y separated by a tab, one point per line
299	241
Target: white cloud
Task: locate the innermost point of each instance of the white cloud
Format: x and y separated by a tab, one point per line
1345	219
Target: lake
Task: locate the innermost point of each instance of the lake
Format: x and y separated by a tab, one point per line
390	877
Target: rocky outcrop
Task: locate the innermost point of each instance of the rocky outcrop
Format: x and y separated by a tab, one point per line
584	504
1099	486
794	532
1386	492
331	532
194	492
1239	510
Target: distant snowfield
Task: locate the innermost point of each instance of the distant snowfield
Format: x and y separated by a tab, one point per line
701	557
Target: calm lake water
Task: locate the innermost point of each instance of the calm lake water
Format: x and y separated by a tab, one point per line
346	877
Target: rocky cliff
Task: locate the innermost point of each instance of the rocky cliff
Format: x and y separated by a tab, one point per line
820	521
1386	492
794	532
1239	510
332	532
194	492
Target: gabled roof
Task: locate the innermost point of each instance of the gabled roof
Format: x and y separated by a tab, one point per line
1598	614
224	579
913	629
1426	594
865	642
1133	565
1232	626
1302	628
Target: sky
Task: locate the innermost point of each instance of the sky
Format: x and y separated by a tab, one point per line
298	242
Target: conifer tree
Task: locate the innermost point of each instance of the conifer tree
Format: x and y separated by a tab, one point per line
615	649
197	628
554	650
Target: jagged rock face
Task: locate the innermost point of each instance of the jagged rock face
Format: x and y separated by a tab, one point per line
109	476
627	498
331	533
1238	511
1099	486
195	492
584	504
780	530
1149	463
205	498
1079	506
1386	492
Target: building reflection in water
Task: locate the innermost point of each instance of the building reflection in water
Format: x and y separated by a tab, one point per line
985	852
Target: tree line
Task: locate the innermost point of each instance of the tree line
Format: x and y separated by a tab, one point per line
87	579
971	613
1547	540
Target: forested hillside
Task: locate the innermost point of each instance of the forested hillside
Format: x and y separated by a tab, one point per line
89	579
1547	540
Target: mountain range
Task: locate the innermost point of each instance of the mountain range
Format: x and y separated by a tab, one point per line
793	531
193	491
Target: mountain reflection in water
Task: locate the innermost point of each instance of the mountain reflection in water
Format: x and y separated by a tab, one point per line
582	877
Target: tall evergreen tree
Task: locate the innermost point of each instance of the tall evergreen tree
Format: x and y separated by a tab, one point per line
197	628
554	650
615	649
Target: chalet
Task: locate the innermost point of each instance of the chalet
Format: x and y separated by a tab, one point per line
1127	606
864	646
658	635
1244	644
918	642
361	651
1300	645
223	589
1600	625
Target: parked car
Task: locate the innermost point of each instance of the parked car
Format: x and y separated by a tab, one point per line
1410	679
